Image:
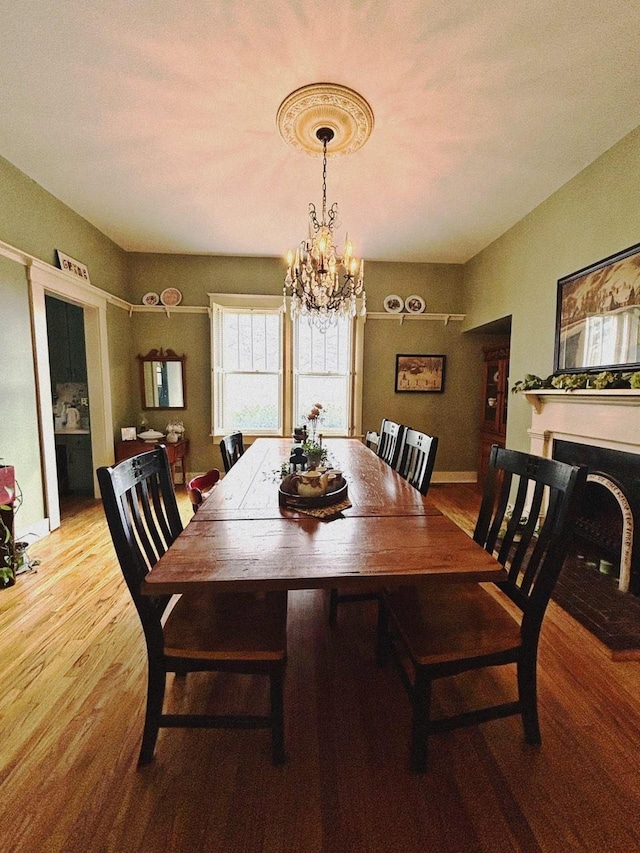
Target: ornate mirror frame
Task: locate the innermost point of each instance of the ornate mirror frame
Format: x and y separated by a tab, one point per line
158	396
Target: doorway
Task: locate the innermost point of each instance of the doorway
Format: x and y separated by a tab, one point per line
45	281
69	399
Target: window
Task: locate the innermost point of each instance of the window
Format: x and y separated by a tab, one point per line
247	388
322	363
268	371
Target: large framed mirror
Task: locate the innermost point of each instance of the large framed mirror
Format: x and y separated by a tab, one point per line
162	380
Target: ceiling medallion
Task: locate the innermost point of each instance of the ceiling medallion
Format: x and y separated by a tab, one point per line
344	111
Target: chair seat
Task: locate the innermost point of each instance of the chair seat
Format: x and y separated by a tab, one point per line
220	626
445	622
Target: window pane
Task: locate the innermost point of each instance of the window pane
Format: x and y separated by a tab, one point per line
331	392
251	402
323	352
318	354
230	341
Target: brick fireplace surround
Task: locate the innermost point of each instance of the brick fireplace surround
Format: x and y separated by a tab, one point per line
608	420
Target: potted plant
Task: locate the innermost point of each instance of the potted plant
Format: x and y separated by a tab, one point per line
314	452
7	553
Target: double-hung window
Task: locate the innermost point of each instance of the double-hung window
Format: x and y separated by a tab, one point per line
247	369
322	372
268	371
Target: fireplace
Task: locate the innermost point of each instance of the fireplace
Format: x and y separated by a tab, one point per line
599	429
607	528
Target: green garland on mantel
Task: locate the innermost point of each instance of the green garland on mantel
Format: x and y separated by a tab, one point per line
577	381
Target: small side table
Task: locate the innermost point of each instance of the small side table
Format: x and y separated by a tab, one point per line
176	453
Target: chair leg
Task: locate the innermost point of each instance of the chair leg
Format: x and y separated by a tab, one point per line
333	606
155	699
382	634
276	691
528	695
421	700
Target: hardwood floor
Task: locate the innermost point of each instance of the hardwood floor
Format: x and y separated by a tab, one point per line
72	687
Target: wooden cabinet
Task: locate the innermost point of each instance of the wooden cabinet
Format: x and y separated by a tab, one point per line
176	451
495	400
74	463
65	333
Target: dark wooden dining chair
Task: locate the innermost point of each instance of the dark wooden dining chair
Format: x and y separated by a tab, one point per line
199	487
208	631
232	448
372	439
417	458
441	629
390	442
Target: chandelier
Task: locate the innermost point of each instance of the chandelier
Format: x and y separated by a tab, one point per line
321	284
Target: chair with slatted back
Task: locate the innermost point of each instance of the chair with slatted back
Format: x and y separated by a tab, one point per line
372	439
390	442
199	487
441	629
417	458
232	448
231	632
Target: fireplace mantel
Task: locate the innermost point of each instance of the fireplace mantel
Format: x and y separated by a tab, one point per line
606	418
613	396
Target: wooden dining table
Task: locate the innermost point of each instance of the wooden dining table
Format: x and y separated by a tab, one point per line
241	539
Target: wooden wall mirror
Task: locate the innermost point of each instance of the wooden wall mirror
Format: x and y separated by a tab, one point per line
162	380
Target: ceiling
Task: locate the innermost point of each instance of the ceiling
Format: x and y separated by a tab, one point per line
156	119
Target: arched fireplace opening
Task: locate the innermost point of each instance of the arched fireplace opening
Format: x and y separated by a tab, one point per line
608	523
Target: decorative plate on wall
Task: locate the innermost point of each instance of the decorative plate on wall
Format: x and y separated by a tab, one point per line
151	299
393	304
170	297
414	304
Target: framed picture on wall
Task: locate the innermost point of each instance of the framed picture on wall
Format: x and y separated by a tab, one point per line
597	317
420	373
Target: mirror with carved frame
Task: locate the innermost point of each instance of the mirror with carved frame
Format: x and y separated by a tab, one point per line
162	380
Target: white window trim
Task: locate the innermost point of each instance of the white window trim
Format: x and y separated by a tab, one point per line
256	302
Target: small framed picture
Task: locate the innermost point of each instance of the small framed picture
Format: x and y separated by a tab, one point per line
421	373
72	266
128	433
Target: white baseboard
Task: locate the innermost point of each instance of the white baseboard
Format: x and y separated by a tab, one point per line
37	530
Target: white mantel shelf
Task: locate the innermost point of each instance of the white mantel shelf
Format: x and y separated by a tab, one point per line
612	396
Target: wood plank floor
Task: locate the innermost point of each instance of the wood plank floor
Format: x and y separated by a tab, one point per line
71	701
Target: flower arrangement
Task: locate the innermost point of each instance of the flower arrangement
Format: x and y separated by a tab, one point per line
577	381
314	418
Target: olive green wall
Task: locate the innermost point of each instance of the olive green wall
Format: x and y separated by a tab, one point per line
185	334
19	439
33	220
591	217
452	415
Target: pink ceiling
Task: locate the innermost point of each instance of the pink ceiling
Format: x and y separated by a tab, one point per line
156	120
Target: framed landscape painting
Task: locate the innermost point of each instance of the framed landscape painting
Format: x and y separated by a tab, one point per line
422	373
598	316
